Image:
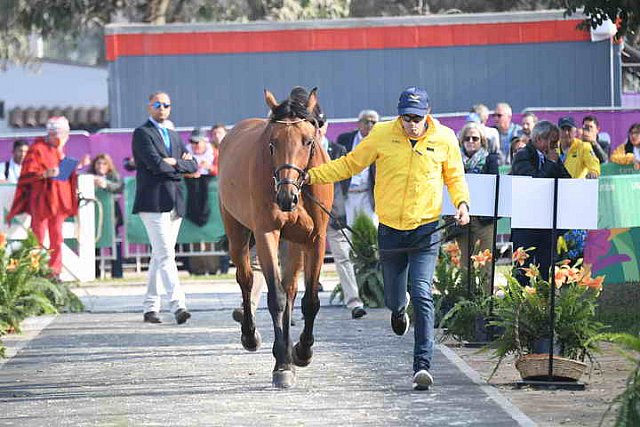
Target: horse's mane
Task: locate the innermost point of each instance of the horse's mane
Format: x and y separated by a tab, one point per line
292	108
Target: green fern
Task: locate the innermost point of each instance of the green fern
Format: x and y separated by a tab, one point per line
366	262
629	400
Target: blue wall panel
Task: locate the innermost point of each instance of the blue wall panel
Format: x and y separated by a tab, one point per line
228	87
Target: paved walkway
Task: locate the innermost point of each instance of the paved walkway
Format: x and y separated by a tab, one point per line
108	368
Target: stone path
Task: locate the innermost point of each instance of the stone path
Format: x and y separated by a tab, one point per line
107	368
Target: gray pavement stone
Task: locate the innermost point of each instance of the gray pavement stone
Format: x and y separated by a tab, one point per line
111	369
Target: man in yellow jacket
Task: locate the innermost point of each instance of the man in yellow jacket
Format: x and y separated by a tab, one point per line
415	156
577	156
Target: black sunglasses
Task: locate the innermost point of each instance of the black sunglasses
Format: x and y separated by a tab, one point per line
159	104
412	118
471	138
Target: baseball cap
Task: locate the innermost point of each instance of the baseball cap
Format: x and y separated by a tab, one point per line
472	117
57	124
413	100
565	122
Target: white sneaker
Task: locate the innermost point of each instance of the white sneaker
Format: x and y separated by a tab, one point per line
422	380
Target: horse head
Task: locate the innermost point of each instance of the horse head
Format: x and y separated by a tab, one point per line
293	130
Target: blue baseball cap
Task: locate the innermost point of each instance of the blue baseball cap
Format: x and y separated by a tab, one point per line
566	122
413	100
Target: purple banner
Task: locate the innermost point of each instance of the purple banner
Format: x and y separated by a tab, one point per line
118	143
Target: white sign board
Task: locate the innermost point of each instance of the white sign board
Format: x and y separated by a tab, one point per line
529	201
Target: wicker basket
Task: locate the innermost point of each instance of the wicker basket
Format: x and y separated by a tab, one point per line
536	366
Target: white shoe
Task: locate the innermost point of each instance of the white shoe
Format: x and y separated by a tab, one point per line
422	380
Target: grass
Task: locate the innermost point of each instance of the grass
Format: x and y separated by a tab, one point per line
619	307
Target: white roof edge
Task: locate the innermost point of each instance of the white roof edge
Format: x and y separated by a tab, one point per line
462	18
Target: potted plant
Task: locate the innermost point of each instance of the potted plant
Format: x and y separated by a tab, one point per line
366	261
448	280
522	313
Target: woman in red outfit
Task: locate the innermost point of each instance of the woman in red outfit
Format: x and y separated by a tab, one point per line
49	201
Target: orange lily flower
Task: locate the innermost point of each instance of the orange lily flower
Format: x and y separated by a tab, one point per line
560	276
481	259
13	264
532	271
3	240
530	290
519	256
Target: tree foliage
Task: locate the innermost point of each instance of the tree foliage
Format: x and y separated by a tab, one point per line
73	19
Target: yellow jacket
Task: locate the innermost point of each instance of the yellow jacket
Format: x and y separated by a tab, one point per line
580	159
623	154
409	180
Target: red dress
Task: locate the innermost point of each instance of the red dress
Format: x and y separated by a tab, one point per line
48	201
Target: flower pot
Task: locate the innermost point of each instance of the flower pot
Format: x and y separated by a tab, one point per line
543	345
536	367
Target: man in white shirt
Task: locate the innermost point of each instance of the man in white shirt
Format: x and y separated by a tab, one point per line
360	195
10	170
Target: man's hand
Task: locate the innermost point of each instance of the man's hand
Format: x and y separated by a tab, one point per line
592	175
187	156
462	214
50	173
170	161
552	154
100	182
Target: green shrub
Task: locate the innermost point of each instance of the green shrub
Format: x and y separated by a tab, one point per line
366	261
25	287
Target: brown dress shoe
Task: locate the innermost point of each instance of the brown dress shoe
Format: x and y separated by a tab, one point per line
182	316
152	317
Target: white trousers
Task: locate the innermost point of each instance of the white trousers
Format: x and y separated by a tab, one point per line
340	251
162	229
359	202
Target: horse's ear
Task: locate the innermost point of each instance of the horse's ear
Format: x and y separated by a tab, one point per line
313	100
270	100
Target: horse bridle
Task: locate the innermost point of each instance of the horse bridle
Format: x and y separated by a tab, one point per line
302	173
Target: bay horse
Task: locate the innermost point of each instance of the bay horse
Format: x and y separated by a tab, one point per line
262	166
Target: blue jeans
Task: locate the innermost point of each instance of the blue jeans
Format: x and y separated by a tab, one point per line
417	268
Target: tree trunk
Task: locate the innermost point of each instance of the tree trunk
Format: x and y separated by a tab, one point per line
157	11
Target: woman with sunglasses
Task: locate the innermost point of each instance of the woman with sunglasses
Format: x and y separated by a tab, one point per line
476	159
415	157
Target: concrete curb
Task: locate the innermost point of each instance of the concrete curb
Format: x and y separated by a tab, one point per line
518	416
31	328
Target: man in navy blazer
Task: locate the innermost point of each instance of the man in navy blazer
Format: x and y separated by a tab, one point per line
360	186
161	161
538	159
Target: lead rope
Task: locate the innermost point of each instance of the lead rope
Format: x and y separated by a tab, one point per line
447	223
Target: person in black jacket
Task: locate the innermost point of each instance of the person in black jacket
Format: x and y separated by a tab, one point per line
477	159
161	161
539	159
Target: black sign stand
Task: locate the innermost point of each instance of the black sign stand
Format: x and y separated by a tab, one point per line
549	382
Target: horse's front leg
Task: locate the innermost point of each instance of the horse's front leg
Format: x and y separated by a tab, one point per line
267	248
313	259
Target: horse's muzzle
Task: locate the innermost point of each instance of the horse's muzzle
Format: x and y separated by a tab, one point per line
287	198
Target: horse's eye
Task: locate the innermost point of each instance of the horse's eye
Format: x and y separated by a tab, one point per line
308	142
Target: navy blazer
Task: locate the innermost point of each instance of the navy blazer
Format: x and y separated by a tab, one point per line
526	163
159	185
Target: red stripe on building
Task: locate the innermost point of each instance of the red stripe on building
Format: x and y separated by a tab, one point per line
304	40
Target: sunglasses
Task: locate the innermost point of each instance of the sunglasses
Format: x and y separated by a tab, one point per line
497	115
159	104
412	118
471	138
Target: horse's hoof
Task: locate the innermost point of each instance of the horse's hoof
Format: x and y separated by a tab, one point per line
251	343
284	378
238	314
302	358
